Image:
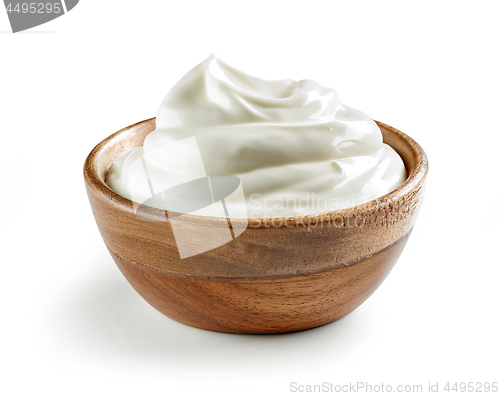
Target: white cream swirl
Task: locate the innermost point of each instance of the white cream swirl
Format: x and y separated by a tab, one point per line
294	146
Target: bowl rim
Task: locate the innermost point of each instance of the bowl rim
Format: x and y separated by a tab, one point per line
414	179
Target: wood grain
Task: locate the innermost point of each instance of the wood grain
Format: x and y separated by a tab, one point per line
262	305
298	271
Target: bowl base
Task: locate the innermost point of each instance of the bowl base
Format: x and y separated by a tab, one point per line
262	305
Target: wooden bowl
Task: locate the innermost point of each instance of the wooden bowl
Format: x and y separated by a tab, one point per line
280	274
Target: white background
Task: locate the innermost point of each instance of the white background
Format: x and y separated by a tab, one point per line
71	324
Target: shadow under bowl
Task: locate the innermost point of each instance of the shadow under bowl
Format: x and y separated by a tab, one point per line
279	275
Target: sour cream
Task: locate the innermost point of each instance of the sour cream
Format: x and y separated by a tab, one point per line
294	146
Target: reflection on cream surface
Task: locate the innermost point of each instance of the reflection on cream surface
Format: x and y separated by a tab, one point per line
294	146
